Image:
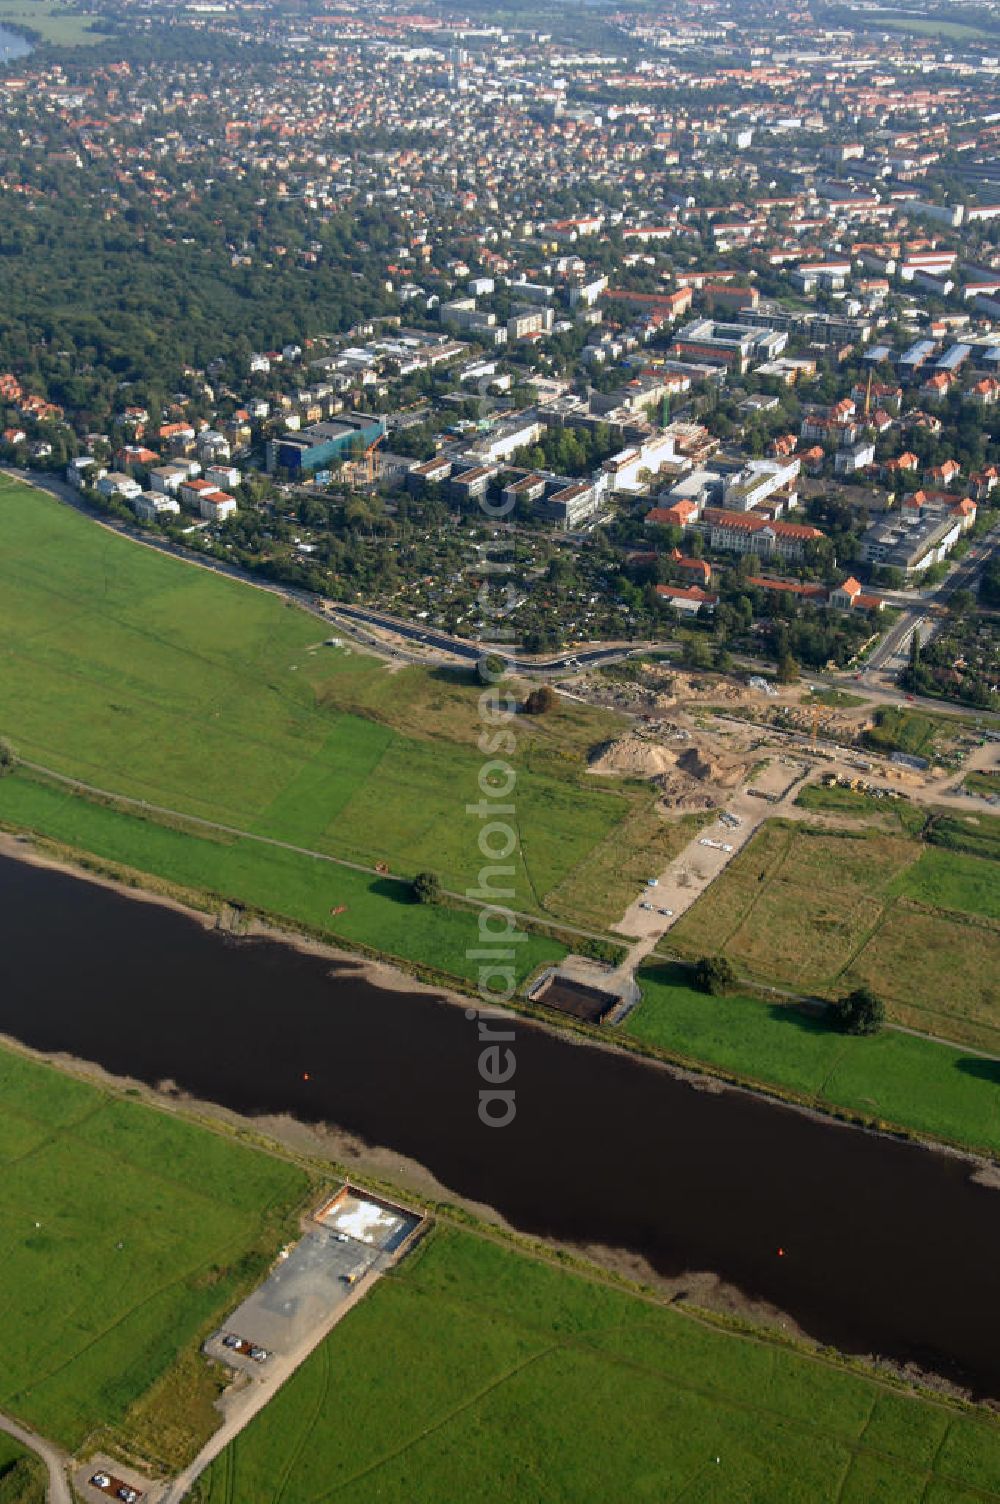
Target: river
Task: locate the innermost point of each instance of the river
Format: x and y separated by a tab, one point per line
888	1248
12	46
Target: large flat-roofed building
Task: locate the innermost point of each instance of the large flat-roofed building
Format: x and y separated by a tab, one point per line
732	345
757	481
321	444
912	541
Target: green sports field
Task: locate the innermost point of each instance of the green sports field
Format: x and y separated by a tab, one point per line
478	1374
124	1234
149	677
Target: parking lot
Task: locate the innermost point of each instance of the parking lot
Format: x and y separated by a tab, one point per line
353	1236
122	1483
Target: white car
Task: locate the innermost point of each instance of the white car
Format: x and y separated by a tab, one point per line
726	847
645	906
100	1480
667	913
652	882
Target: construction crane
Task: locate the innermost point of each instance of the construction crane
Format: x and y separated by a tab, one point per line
369	459
362	470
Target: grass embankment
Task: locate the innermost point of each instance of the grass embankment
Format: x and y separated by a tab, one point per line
300	890
895	1078
820	912
535	1383
125	1234
23	1478
144	675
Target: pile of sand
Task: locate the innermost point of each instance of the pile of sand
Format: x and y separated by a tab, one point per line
633	756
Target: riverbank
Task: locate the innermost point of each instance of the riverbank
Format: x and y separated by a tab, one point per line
932	1100
484	1306
153	998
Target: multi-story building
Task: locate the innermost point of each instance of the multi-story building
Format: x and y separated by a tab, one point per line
322	443
745	533
757	481
732	345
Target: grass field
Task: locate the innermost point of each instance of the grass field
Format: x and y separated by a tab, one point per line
818	911
52	21
947	31
282	883
895	815
909	731
22	1477
124	1233
146	676
911	1082
536	1384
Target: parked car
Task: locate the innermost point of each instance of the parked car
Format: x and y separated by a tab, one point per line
230	1340
100	1480
128	1495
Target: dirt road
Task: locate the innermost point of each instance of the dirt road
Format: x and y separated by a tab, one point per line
242	1402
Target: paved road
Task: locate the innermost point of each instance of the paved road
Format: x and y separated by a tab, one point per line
426	637
58	1491
466	648
915	606
356	619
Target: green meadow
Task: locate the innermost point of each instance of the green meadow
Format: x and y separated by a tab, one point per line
51	22
125	1234
287	884
819	911
477	1373
153	679
898	1078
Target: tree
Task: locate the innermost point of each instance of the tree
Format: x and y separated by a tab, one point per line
915	651
426	887
714	974
860	1012
788	669
8	757
540	701
491	668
